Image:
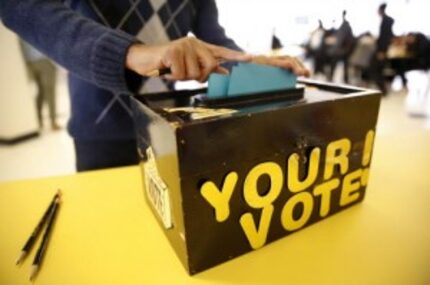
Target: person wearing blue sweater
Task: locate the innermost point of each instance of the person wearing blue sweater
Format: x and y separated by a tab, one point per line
108	46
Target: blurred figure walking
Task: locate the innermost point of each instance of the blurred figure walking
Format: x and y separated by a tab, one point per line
342	48
315	48
43	72
383	42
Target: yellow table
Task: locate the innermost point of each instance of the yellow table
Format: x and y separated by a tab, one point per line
105	233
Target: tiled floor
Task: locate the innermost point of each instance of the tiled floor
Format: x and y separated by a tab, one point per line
52	153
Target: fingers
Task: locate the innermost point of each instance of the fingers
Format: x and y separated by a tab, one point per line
192	64
304	70
223	53
176	62
208	63
222	70
192	59
286	62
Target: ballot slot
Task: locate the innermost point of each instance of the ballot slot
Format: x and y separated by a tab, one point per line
181	106
186	106
294	94
184	100
199	98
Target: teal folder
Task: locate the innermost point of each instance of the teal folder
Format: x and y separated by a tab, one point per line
218	85
250	78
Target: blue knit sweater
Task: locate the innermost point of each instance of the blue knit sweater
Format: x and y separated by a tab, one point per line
90	39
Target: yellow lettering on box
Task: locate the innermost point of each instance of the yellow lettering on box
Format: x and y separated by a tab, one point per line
337	154
368	147
220	200
365	177
250	191
287	219
294	183
350	185
257	236
324	190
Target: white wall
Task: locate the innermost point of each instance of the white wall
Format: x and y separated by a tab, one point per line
17	106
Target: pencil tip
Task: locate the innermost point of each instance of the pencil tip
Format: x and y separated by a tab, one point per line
34	269
21	257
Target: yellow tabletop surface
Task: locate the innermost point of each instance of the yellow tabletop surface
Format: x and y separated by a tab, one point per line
105	233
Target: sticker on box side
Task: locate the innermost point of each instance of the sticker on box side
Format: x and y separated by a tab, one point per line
157	191
199	113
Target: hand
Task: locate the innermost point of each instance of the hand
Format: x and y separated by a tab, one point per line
188	58
286	62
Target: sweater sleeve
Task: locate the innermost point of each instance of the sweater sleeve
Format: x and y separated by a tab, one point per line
207	28
84	47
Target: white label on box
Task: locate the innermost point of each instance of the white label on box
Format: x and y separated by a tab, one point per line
156	190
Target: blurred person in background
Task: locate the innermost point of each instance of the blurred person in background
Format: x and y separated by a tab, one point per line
361	58
410	52
314	48
342	48
383	42
418	46
44	73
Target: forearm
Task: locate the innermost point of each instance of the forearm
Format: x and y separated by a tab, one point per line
84	47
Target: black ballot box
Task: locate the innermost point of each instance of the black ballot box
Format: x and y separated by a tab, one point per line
227	176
